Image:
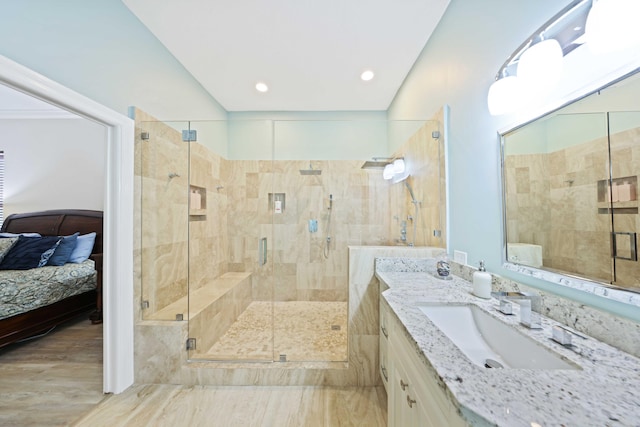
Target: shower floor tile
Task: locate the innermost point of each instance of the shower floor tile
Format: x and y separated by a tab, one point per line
304	331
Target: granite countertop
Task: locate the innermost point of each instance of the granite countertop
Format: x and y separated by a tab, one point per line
603	393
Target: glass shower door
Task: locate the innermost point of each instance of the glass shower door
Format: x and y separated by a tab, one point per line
324	208
163	177
230	242
624	139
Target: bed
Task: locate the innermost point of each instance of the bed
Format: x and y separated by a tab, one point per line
57	293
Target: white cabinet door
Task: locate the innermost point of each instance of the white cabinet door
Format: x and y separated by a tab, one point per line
409	410
414	397
384	345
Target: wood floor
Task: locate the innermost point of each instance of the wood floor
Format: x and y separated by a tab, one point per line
53	380
57	381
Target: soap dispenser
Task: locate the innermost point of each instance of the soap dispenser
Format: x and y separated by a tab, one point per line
482	282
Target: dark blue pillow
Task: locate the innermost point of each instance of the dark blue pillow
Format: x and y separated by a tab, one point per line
63	251
29	252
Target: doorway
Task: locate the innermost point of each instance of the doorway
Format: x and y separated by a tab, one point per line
118	211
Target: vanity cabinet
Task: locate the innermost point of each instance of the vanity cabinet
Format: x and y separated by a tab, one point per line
384	345
413	395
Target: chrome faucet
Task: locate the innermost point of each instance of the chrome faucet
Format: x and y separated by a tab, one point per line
529	306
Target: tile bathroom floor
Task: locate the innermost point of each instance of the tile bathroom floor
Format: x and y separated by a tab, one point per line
303	331
210	406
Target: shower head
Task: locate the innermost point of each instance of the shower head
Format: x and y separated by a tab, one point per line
373	165
376	163
310	171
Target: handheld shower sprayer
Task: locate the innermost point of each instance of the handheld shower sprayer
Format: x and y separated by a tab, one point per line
413	197
330	201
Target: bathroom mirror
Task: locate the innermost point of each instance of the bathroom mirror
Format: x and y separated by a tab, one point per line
570	184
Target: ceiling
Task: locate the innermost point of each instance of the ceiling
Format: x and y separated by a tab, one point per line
310	53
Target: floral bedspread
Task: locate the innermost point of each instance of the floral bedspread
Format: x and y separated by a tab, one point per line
25	290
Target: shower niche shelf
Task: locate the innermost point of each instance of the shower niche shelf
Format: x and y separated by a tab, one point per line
621	197
277	202
197	202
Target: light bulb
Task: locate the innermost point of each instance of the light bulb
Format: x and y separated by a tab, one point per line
398	166
505	96
540	66
612	25
387	173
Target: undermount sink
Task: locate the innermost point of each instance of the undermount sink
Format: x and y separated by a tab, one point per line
489	342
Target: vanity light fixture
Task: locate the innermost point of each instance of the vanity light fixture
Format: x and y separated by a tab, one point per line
262	87
612	25
367	75
536	65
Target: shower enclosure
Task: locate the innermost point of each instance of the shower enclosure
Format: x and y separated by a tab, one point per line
245	229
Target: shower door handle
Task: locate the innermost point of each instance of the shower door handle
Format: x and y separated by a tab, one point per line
262	251
633	252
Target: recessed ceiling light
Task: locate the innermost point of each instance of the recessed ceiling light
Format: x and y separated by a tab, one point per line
262	87
367	75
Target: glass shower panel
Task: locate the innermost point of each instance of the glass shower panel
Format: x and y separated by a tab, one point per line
271	208
163	172
329	203
624	139
418	204
230	239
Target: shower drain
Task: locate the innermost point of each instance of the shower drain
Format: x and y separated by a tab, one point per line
335	327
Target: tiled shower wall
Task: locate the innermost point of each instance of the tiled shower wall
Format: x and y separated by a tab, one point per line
359	216
224	237
424	154
552	201
168	261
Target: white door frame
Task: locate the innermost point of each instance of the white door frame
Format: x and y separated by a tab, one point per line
118	215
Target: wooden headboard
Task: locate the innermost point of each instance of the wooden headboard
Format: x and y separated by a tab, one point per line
64	222
60	222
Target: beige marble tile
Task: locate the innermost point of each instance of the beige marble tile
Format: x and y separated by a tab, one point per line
159	351
170	405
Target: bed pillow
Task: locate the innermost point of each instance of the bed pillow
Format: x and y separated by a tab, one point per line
5	245
19	234
84	246
29	252
63	252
